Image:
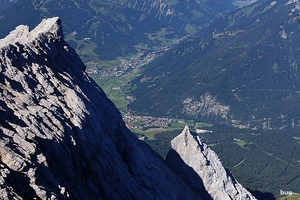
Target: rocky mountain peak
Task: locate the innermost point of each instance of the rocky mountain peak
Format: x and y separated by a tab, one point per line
62	138
193	152
23	35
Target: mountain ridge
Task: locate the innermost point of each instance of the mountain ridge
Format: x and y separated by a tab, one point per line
61	137
117	28
48	125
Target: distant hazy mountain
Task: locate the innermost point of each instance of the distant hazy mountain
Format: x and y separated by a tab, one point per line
105	29
243	3
4	4
242	70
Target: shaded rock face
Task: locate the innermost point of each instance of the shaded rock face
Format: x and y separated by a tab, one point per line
190	153
61	137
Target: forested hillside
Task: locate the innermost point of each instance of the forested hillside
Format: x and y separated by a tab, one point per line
103	30
242	70
263	161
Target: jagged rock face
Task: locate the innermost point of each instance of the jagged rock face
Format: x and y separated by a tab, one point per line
61	137
188	149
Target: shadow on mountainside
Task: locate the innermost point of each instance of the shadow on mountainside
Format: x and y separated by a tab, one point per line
190	177
262	195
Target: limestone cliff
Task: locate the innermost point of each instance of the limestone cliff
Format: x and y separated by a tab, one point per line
188	149
62	138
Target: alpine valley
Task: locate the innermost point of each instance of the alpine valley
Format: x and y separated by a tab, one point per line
106	29
62	138
242	71
228	66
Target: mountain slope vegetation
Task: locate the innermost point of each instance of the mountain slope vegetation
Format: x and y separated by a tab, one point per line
242	70
104	30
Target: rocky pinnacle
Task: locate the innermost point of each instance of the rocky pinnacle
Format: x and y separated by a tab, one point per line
219	183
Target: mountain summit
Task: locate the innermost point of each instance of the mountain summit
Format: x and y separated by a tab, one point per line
62	138
60	135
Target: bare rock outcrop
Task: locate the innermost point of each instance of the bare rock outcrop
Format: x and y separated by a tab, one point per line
189	150
61	137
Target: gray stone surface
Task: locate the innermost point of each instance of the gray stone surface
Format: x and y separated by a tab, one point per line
188	149
61	137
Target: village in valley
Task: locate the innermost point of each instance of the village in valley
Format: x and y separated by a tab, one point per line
125	65
114	85
145	122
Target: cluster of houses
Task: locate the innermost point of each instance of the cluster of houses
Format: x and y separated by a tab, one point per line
133	121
